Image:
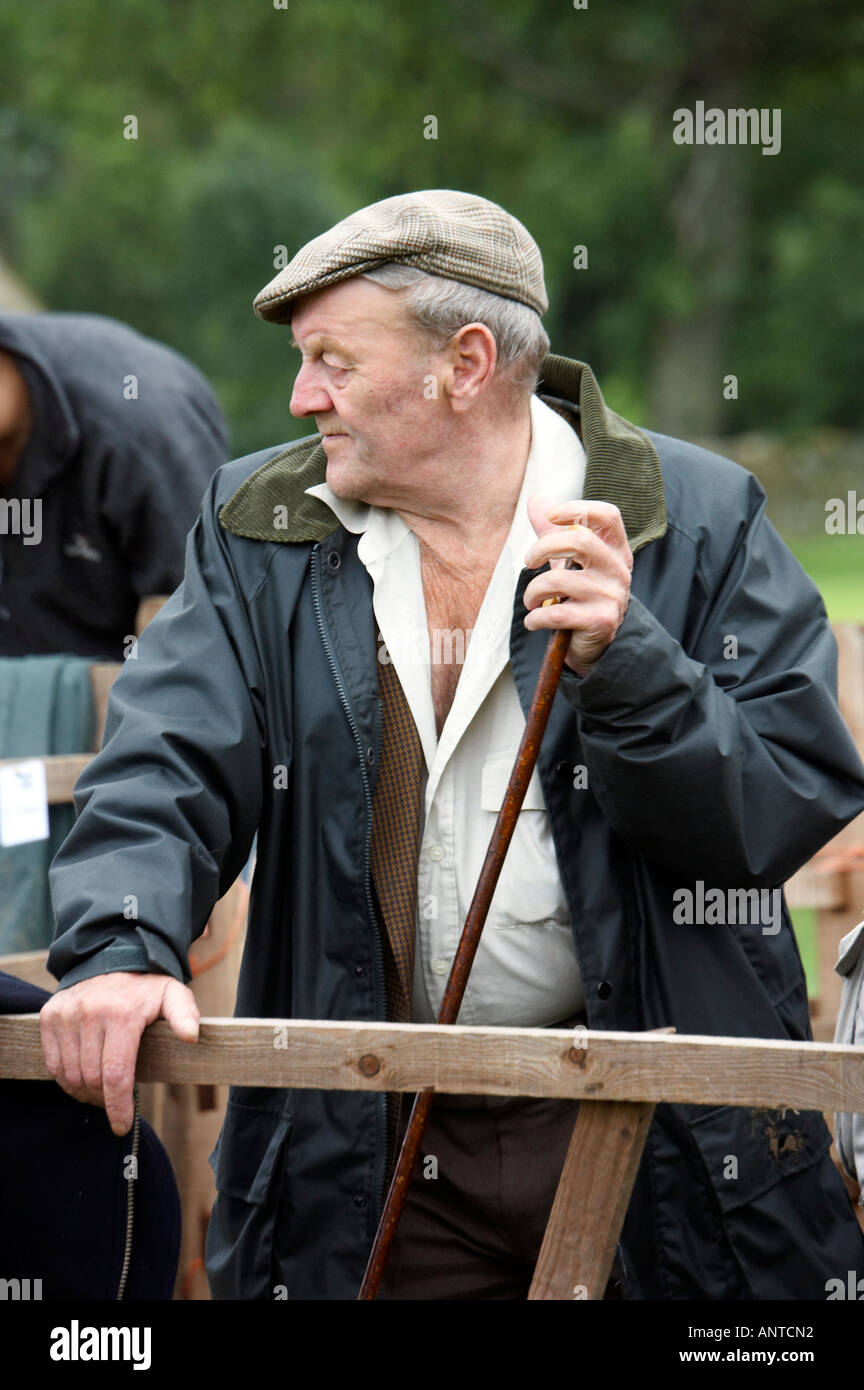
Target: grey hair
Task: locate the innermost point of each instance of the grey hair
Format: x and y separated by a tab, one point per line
440	307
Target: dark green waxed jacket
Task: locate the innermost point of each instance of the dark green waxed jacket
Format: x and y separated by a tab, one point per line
731	772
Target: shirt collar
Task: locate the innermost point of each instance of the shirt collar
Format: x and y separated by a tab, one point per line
555	469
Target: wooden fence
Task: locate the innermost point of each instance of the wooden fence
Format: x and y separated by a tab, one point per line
617	1077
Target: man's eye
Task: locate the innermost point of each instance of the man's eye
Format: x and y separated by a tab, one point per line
330	361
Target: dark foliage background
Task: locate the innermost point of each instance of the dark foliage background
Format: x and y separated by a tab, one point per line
258	127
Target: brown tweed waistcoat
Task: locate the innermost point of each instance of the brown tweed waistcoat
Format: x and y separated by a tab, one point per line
396	809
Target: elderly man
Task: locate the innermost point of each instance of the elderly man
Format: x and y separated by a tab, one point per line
346	667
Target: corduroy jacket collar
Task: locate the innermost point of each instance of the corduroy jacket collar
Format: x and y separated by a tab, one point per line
622	467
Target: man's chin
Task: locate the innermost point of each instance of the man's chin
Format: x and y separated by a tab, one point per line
345	482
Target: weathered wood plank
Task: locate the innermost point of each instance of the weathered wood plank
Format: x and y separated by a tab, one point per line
102	676
62	771
591	1200
850	677
813	887
192	1115
494	1061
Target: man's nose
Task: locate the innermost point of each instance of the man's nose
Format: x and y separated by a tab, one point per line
309	396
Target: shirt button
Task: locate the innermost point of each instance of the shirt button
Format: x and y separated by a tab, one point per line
440	965
436	853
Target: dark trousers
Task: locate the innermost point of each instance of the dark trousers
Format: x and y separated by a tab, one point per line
480	1197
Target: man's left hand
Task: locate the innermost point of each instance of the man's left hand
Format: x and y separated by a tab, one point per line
595	597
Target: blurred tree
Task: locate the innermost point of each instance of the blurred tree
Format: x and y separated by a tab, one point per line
259	127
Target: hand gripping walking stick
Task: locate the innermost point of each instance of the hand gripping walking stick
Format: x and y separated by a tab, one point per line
535	727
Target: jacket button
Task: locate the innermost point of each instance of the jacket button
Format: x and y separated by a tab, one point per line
360	1200
604	989
359	971
561	769
333	560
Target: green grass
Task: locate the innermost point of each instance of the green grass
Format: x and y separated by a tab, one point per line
806	926
836	566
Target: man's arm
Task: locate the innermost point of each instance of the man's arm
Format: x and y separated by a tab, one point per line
166	817
732	771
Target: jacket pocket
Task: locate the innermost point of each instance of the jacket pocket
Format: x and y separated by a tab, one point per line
247	1151
747	1152
782	1203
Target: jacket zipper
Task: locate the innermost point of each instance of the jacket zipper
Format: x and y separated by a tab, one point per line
315	576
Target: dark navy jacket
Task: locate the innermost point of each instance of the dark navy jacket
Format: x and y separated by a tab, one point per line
732	772
127	435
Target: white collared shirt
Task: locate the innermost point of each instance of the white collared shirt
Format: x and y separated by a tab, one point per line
525	972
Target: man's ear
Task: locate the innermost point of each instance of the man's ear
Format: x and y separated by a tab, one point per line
471	357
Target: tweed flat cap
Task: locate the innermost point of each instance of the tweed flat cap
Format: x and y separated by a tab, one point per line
439	230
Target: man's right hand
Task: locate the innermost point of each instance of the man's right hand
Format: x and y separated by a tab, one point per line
91	1032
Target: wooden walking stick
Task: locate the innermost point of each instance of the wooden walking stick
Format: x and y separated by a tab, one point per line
535	727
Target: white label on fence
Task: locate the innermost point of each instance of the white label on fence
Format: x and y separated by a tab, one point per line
23	803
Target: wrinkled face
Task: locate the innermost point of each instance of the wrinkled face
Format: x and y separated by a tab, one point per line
364	379
16	416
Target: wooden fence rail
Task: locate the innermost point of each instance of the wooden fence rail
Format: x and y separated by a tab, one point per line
597	1066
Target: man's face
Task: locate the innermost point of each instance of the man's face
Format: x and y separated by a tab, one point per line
16	417
362	379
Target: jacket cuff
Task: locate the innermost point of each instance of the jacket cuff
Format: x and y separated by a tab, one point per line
132	956
617	682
